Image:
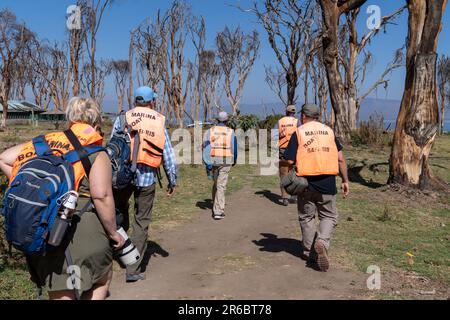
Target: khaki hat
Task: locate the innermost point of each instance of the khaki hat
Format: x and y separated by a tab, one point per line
311	111
291	109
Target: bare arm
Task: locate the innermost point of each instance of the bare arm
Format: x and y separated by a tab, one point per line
100	182
344	174
7	159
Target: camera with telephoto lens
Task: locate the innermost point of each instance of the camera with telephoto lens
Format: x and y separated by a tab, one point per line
67	205
128	254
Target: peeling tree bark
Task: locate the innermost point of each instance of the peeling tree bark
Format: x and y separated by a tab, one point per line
418	118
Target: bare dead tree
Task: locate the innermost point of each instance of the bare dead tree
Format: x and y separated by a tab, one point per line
119	69
36	72
197	29
343	89
418	118
443	78
176	23
76	39
318	74
354	73
276	79
288	24
237	53
51	74
149	44
59	76
21	75
130	67
101	71
13	40
210	75
93	13
343	96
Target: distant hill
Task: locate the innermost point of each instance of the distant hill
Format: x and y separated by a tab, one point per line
389	108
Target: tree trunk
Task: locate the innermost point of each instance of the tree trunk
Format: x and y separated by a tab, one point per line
120	101
291	85
130	67
93	71
306	83
442	117
330	14
5	112
418	118
4	96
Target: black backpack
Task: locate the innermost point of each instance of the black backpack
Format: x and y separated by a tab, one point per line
119	151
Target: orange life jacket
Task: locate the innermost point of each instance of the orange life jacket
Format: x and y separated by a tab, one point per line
58	141
150	125
286	128
317	153
220	139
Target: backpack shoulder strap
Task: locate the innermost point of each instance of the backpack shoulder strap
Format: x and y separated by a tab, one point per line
82	152
41	146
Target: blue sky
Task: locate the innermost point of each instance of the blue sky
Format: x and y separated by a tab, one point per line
47	19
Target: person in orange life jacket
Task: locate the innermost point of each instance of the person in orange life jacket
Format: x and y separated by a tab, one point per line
90	235
155	149
286	128
220	153
318	157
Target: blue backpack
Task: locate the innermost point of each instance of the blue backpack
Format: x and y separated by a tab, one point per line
119	151
33	199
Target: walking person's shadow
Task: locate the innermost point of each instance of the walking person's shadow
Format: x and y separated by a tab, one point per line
271	243
205	205
275	198
153	249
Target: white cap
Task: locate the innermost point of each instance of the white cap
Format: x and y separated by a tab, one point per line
223	116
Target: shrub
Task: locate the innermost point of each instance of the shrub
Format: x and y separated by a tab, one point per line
270	122
371	132
244	122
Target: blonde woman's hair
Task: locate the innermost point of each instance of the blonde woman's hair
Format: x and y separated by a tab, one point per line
81	110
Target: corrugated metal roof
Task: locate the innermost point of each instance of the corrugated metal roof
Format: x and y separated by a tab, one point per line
23	106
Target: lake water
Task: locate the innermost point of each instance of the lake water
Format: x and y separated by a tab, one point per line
392	123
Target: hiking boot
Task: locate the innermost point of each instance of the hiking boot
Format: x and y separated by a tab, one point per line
130	278
322	256
285	202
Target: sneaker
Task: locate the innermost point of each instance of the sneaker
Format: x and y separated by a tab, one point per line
322	256
130	278
218	216
293	200
305	255
285	202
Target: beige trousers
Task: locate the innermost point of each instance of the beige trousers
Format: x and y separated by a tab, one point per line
309	204
219	189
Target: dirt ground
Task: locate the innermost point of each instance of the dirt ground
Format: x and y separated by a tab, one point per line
252	254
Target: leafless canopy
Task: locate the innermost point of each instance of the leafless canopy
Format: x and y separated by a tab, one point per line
120	70
288	24
14	37
237	53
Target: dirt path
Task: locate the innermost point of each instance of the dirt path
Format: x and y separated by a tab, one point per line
252	254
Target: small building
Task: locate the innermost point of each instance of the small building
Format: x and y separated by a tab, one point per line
22	110
53	115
